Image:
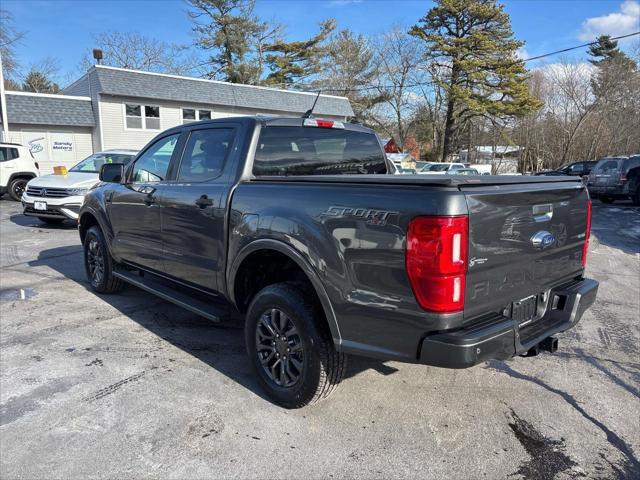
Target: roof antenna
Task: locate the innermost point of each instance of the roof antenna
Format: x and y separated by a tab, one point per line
308	113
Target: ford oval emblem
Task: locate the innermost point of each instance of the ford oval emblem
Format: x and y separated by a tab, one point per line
543	239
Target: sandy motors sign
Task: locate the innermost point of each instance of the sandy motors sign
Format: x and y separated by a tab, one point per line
62	146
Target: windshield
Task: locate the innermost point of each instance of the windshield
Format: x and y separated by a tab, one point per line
317	151
435	167
93	163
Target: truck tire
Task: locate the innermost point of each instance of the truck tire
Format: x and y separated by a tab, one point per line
51	221
290	347
17	188
98	263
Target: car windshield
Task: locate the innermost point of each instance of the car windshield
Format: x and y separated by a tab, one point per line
93	163
435	167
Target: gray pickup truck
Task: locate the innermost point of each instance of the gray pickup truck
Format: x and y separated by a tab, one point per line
293	226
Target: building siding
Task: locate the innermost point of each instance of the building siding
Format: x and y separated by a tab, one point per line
115	134
43	149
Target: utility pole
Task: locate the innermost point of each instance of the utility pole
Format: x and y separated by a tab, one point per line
3	106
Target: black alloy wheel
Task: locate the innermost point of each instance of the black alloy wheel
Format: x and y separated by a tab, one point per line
280	348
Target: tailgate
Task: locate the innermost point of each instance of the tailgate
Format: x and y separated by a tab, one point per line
523	240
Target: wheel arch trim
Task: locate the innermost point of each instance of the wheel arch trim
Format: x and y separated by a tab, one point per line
305	266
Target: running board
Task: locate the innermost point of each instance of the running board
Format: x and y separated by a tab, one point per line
210	310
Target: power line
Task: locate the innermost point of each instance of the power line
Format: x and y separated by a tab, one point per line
577	47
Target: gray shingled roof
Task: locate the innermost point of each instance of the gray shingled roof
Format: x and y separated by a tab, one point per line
183	89
47	110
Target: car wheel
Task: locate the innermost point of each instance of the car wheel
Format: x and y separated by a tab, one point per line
290	347
98	263
606	199
17	188
51	221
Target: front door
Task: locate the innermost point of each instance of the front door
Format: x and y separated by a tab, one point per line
134	208
193	208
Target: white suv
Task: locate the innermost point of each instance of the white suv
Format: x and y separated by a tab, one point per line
54	198
17	167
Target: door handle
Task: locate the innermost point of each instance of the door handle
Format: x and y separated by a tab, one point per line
204	202
149	200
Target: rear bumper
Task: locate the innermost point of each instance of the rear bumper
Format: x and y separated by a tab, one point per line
501	338
610	191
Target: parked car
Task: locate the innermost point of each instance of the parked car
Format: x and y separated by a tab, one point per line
573	168
54	198
608	180
465	171
17	167
291	226
441	168
633	177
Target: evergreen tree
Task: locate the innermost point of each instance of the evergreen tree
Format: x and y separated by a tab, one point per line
616	74
38	82
291	63
473	42
605	48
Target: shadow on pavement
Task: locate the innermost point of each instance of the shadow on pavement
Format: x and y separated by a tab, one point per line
28	221
220	346
617	225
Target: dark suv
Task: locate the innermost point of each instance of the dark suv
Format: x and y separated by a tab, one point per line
609	179
574	169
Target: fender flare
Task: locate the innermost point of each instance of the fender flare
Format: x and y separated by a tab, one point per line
91	211
305	266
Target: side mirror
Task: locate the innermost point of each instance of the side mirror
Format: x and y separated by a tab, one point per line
112	173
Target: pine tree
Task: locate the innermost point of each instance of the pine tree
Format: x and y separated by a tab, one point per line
38	82
473	42
291	63
604	48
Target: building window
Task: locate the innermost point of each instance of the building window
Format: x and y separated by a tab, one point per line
142	116
193	115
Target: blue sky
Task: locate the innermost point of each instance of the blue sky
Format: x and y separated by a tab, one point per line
63	29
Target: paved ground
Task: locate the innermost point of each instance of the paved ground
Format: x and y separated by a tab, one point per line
129	386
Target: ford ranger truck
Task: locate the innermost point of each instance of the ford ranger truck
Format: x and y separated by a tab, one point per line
294	227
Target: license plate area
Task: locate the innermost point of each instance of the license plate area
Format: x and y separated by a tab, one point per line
525	311
39	205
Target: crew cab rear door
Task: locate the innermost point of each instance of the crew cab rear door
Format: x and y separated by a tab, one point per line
524	239
194	206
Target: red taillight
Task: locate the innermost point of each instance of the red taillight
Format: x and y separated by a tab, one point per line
436	261
587	234
623	178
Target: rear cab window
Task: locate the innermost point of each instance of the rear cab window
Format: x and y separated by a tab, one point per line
300	150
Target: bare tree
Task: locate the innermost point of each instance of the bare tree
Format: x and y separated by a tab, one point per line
398	57
9	38
138	52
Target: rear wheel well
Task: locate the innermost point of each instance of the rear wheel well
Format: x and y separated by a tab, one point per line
86	222
267	267
24	175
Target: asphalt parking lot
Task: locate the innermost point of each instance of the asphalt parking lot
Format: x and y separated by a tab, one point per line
130	386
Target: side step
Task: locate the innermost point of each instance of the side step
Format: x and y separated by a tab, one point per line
210	310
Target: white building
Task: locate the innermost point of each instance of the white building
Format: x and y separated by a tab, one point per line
117	108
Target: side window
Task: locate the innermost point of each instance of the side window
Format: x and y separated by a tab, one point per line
7	154
205	154
153	164
455	167
576	168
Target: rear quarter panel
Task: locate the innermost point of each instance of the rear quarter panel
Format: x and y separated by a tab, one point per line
353	237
